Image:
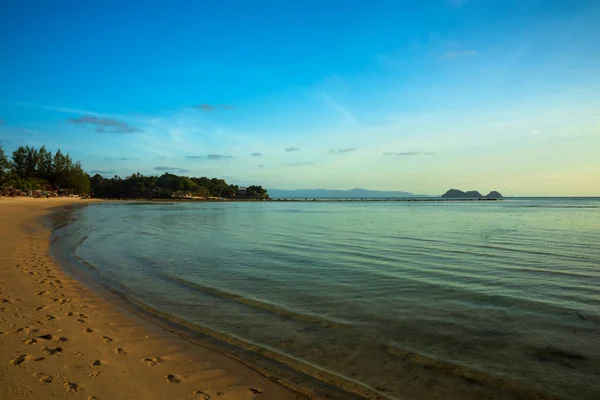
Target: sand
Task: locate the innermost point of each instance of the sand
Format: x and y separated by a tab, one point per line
59	339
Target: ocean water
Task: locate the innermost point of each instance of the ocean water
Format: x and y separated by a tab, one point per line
405	298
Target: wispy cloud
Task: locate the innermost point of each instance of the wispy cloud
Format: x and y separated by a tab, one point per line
214	157
103	172
408	153
170	169
347	117
298	164
211	107
105	125
118	159
261	165
66	110
289	149
452	55
341	151
256	154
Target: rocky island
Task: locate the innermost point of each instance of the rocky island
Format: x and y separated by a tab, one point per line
471	194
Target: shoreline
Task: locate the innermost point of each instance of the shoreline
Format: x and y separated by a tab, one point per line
60	337
303	200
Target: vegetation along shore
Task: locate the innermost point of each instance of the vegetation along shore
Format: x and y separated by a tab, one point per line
32	170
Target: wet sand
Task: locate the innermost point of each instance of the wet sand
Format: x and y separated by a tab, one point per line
59	339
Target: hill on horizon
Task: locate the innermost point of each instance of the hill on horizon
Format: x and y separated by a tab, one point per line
330	193
471	194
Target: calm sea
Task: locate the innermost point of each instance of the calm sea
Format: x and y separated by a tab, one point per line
396	296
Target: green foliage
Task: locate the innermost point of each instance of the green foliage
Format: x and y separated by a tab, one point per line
256	192
165	186
33	169
4	165
45	167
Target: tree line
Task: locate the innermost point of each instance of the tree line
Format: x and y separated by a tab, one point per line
39	169
33	169
138	186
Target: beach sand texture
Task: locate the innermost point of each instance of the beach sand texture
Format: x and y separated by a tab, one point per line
59	339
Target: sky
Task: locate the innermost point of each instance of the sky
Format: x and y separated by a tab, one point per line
420	96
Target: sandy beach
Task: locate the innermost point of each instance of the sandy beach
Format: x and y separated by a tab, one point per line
60	339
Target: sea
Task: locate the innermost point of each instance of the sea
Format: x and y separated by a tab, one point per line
405	299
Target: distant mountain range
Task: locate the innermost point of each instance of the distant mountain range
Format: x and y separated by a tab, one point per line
471	194
334	194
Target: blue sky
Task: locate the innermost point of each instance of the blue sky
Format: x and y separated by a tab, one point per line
418	96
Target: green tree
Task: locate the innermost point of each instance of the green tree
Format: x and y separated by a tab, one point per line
256	192
4	165
78	179
59	169
19	162
44	164
25	162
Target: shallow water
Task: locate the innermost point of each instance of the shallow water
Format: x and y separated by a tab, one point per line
501	290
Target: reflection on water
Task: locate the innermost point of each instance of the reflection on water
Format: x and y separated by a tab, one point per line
398	296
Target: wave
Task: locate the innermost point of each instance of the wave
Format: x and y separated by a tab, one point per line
262	305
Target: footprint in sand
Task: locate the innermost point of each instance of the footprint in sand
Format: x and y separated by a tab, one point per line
52	352
94	374
69	314
42	293
71	387
88	330
44	378
80	321
203	396
256	391
96	363
40	308
50	317
173	378
106	339
63	339
18	360
46	336
31	331
5	301
30	341
152	361
120	351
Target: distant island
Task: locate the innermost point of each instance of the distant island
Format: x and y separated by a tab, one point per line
471	194
356	193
